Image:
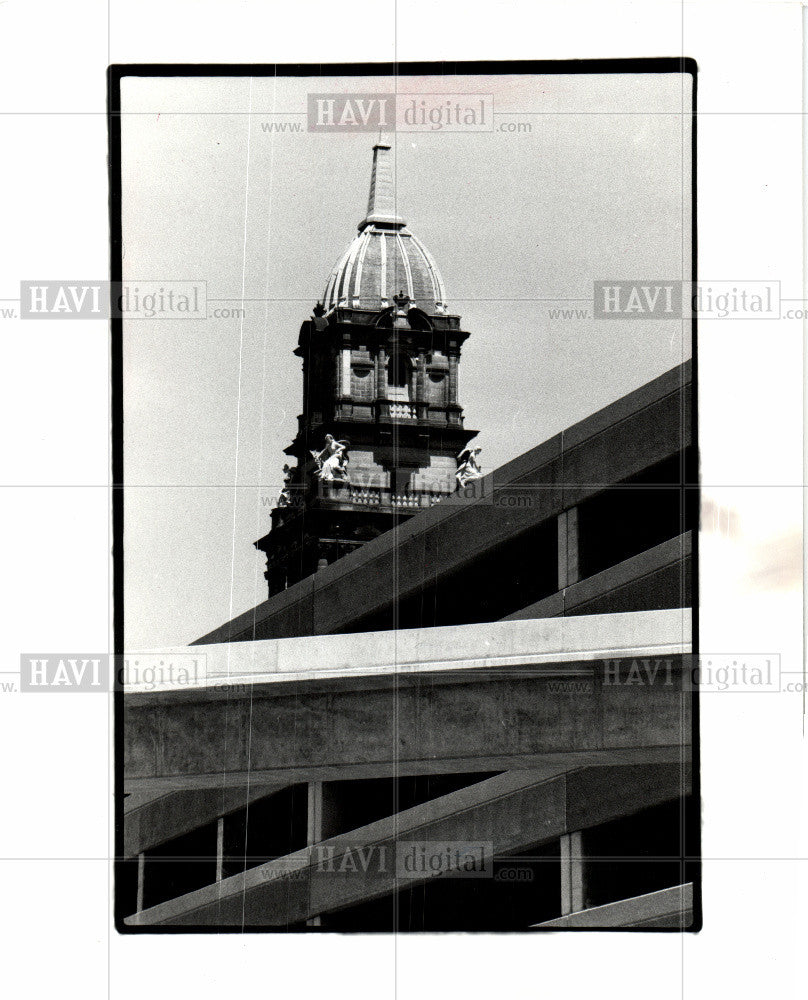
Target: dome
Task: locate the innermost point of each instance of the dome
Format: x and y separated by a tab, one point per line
379	264
385	258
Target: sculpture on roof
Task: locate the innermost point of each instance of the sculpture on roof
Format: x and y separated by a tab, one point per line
332	461
468	467
284	498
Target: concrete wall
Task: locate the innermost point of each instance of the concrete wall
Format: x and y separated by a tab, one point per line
506	694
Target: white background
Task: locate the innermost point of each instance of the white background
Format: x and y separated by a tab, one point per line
55	841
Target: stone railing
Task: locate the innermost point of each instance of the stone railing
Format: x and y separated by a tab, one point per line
402	411
369	496
405	500
375	496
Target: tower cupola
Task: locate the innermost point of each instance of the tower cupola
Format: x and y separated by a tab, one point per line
382	427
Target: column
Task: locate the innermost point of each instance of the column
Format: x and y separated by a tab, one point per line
568	548
314	826
420	380
381	373
453	387
141	874
345	372
320	823
219	848
314	822
572	873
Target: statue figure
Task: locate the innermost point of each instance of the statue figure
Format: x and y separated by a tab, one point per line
318	317
468	467
284	498
332	461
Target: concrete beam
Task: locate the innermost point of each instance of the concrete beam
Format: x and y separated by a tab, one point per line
512	812
665	566
419	700
668	754
177	812
667	908
229	670
135	800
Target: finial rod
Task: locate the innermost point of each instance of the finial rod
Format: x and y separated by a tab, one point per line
382	199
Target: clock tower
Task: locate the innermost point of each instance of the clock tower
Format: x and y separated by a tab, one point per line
382	425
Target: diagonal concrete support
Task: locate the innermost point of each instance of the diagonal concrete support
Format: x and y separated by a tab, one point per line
177	812
510	812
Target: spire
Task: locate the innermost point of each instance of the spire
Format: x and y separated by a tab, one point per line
382	199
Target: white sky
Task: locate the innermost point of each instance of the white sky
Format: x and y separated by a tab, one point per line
598	189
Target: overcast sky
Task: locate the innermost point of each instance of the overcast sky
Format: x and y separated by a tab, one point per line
597	189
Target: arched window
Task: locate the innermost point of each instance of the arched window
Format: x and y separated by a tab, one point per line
399	376
437	388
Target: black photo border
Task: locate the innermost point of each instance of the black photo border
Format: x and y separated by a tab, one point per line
115	74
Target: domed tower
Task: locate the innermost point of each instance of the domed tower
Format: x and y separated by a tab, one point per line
381	426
